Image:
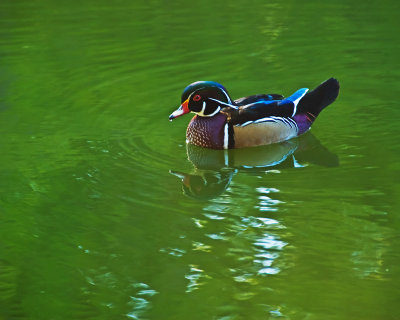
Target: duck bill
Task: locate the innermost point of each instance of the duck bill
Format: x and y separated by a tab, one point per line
183	109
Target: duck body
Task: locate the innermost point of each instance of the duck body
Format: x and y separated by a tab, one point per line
223	123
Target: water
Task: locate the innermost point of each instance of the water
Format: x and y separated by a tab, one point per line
104	212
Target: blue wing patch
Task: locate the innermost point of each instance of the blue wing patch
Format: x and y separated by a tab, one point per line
294	99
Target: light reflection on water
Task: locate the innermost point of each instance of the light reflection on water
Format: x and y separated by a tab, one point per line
196	278
140	303
266	203
247	237
260	233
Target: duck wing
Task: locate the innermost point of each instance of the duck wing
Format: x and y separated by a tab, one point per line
257	98
261	109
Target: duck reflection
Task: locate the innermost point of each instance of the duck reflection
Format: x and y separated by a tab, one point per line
214	169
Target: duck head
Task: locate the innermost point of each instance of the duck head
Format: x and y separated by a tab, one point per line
204	98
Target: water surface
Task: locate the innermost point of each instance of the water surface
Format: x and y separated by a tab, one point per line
106	214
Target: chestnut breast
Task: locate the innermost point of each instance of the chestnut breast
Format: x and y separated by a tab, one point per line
207	132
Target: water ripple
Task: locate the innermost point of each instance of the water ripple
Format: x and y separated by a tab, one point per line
140	302
195	277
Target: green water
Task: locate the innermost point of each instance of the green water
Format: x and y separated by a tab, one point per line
104	214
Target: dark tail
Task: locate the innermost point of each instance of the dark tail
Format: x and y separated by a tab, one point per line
319	98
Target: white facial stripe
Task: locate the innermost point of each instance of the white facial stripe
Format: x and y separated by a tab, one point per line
204	107
224	103
226	95
201	113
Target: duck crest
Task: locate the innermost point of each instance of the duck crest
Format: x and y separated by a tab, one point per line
208	132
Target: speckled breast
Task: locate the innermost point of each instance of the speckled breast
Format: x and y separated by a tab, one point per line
207	132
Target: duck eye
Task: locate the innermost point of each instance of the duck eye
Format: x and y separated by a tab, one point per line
196	97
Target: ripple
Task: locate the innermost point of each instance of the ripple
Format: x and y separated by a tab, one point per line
10	303
140	303
199	246
215	236
266	203
176	252
144	153
196	277
269	242
213	216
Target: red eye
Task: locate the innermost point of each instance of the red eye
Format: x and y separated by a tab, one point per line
196	97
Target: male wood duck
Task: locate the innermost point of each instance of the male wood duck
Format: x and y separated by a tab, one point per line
223	123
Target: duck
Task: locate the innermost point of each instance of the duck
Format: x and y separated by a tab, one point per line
219	122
